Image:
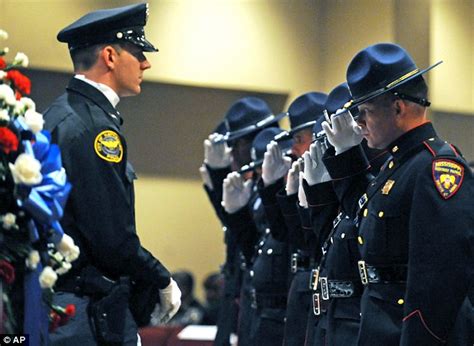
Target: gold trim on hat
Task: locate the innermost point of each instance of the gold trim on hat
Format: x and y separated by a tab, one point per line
402	78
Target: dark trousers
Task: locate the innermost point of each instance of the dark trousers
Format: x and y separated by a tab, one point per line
299	303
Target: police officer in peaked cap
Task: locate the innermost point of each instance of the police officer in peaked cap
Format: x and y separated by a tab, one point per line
116	282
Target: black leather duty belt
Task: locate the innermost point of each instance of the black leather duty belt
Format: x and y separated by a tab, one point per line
268	301
300	262
370	274
90	283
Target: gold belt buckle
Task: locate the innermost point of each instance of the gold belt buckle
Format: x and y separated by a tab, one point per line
314	279
363	272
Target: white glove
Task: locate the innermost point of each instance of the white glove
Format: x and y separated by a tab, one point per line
216	155
206	178
301	195
293	178
314	170
275	165
170	301
343	132
235	192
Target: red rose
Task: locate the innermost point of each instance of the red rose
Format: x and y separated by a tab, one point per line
54	321
7	272
8	140
21	83
3	64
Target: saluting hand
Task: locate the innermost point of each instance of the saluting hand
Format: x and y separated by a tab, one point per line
275	165
315	171
293	178
343	132
216	152
235	192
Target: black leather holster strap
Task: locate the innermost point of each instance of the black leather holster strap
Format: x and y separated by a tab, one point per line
269	301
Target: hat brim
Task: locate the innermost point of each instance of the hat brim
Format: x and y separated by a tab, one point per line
302	127
271	119
395	84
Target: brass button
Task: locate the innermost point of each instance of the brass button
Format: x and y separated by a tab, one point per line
269	251
343	235
366	211
360	240
394	149
400	302
390	165
380	213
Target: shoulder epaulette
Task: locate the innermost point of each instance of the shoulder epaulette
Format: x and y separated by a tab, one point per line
440	148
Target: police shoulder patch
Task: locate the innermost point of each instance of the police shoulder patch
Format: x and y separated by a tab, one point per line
108	146
448	176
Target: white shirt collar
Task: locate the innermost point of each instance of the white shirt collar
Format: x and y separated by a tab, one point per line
108	92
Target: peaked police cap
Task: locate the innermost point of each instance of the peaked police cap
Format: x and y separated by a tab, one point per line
115	25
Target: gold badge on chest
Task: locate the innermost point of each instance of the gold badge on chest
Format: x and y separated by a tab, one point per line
388	186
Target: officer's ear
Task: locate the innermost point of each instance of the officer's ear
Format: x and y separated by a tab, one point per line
109	54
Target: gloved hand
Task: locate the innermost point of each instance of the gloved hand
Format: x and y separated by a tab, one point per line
301	195
275	165
170	301
314	170
343	132
293	178
206	178
216	155
235	192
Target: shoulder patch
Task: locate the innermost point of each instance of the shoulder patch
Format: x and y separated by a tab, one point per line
108	146
448	176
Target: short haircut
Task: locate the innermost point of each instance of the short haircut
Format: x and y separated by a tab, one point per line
84	58
417	87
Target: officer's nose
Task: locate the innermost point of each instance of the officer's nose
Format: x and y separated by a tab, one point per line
145	64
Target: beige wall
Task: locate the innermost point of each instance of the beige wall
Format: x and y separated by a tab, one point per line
268	45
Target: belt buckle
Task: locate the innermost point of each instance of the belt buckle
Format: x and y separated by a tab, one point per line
314	279
316	304
363	272
324	288
294	262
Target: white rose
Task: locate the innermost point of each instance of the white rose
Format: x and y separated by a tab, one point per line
7	95
9	220
21	59
3	74
68	249
33	259
28	103
3	35
34	120
65	267
26	170
48	277
4	115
